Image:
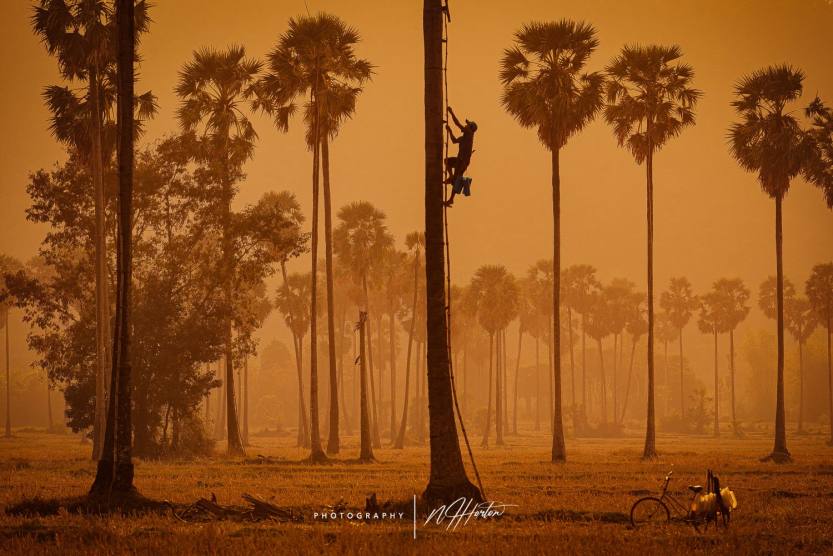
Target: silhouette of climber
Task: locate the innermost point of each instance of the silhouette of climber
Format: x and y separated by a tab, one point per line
456	165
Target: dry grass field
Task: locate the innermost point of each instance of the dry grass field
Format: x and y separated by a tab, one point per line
578	508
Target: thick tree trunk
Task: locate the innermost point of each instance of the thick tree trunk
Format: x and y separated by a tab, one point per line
102	304
332	440
115	468
650	450
316	450
559	449
448	480
780	454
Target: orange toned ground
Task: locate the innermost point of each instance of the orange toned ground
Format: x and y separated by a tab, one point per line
580	507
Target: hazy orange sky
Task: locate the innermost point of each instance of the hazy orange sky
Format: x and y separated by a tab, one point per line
712	219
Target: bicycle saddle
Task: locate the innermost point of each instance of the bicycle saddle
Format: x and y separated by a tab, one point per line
695	488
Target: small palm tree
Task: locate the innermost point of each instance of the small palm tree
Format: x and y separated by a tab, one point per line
497	305
293	301
666	332
581	285
213	88
650	101
678	303
415	243
735	296
315	58
361	240
769	140
819	291
540	278
712	317
637	326
546	88
597	326
801	321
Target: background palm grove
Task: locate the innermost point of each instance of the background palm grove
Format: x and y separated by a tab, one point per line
226	268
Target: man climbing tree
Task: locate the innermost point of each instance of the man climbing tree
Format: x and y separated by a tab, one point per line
456	165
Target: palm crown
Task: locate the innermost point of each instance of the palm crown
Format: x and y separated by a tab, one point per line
650	99
362	237
544	86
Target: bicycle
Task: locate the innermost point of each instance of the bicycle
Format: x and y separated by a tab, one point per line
652	510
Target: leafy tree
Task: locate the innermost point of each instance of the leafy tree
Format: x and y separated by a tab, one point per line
212	88
819	290
650	101
81	34
546	88
769	140
8	266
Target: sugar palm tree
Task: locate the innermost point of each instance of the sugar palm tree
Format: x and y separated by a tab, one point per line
666	332
547	88
540	277
415	242
650	100
710	321
496	292
636	326
735	296
801	321
769	141
447	481
679	302
315	58
597	326
81	35
620	296
293	301
819	290
360	240
213	88
114	474
581	285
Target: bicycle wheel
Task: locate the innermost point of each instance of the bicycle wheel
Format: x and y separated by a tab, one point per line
649	511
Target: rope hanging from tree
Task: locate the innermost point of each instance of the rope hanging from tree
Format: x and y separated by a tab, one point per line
446	21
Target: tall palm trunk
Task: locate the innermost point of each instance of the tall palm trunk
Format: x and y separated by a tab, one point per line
576	426
735	428
381	358
374	425
366	453
448	480
499	389
245	401
348	427
517	372
584	407
8	378
667	384
115	468
537	384
615	370
559	449
682	392
716	390
488	424
102	318
333	440
603	380
504	382
400	440
550	375
829	375
628	387
316	449
650	450
780	453
392	338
